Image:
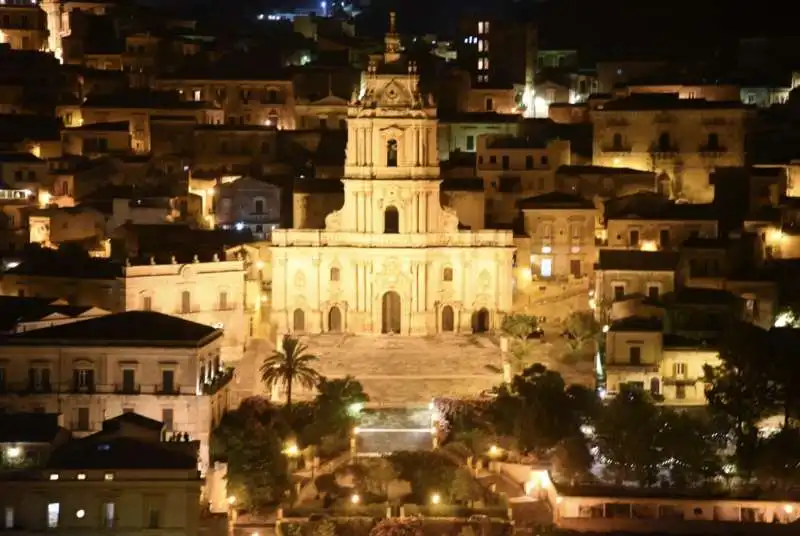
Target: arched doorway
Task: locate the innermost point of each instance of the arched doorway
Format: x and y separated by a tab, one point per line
390	312
298	320
391	153
391	220
335	320
448	318
480	321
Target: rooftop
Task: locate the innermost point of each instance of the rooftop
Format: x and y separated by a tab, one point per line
666	101
128	329
102	452
638	261
555	200
29	427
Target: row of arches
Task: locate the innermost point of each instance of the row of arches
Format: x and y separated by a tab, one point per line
391	317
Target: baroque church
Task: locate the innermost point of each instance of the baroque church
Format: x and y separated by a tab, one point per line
392	259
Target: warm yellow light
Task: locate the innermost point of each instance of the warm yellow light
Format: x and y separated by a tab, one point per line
527	273
649	245
788	508
260	265
606	328
291	450
13	452
44	198
494	450
36	151
775	235
355	499
231	500
436	498
616	162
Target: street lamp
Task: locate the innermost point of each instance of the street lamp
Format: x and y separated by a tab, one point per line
291	450
494	451
13	452
355	498
436	498
231	500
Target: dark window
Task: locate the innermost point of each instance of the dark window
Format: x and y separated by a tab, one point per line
544	160
529	162
167	381
128	380
167	417
335	274
653	293
617	142
493	159
391	153
2	379
663	237
664	142
634	238
83	380
391	220
713	141
470	143
619	292
299	320
223	301
489	104
258	206
82	420
186	302
154	519
147	303
680	391
506	162
447	274
635	354
575	267
655	386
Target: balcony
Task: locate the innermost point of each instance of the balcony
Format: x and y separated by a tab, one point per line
712	151
218	382
84	388
620	149
37	389
128	389
167	390
664	152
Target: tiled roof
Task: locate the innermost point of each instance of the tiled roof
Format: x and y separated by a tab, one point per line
28	427
14	309
556	200
102	452
128	329
638	261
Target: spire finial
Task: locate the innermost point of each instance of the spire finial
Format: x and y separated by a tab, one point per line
392	21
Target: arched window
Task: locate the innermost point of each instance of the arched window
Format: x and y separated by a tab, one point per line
447	274
335	274
391	220
272	96
258	206
186	302
664	142
617	143
391	153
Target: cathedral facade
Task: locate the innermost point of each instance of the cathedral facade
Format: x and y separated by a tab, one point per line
391	259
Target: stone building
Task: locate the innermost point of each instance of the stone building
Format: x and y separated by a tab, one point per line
392	259
681	140
159	366
123	478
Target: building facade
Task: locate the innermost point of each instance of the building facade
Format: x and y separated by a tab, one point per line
156	365
392	259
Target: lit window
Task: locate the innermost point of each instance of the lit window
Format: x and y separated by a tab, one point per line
108	515
547	268
53	510
109	476
53	476
196	94
81	476
9	517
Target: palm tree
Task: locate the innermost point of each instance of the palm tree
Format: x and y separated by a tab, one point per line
291	365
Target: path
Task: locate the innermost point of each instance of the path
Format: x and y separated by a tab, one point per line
527	511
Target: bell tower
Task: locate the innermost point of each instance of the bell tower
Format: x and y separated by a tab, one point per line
392	126
52	9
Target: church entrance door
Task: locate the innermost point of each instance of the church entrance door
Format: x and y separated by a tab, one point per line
480	321
335	320
448	318
390	313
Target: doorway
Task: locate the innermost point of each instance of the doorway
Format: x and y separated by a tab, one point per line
335	320
480	321
448	319
390	313
299	320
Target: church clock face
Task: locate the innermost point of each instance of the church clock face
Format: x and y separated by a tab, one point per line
392	94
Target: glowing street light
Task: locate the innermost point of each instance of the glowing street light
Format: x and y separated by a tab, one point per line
436	498
292	450
13	452
355	498
231	500
494	451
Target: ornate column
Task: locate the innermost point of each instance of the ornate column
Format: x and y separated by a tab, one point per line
415	213
370	156
318	303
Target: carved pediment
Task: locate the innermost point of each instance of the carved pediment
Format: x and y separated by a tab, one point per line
394	94
392	132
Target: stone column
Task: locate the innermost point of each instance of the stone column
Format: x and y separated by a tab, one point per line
370	159
318	302
420	147
415	213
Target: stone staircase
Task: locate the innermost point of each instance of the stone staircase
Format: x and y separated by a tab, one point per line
383	431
